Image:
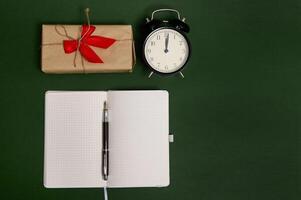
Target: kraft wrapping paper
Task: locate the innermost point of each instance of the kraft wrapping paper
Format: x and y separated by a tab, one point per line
120	57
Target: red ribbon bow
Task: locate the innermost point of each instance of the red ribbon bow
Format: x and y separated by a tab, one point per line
83	44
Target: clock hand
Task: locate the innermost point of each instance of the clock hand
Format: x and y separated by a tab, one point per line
166	43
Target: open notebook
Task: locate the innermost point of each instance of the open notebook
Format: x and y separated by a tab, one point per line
138	139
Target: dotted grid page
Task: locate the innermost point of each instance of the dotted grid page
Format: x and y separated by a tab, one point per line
139	146
73	139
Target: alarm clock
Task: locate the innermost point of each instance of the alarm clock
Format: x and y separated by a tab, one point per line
166	48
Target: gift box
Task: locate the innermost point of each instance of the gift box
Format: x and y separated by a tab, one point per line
87	48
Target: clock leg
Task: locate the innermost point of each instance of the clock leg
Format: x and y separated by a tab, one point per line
150	74
182	75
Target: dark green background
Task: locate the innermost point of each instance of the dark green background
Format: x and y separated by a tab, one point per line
235	116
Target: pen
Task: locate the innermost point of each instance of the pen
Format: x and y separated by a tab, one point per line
105	143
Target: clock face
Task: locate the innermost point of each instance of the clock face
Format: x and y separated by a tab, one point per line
166	50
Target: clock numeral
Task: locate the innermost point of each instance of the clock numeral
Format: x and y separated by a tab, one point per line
158	64
184	50
166	34
153	43
151	58
148	50
181	58
158	37
181	43
166	67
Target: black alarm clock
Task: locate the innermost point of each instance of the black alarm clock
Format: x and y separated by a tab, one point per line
166	48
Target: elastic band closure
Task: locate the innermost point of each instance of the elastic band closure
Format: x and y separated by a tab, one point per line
171	138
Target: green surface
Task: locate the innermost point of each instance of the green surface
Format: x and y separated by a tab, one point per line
236	115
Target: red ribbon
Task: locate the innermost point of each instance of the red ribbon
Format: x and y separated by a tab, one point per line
83	44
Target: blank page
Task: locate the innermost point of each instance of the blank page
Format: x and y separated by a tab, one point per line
139	147
73	139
